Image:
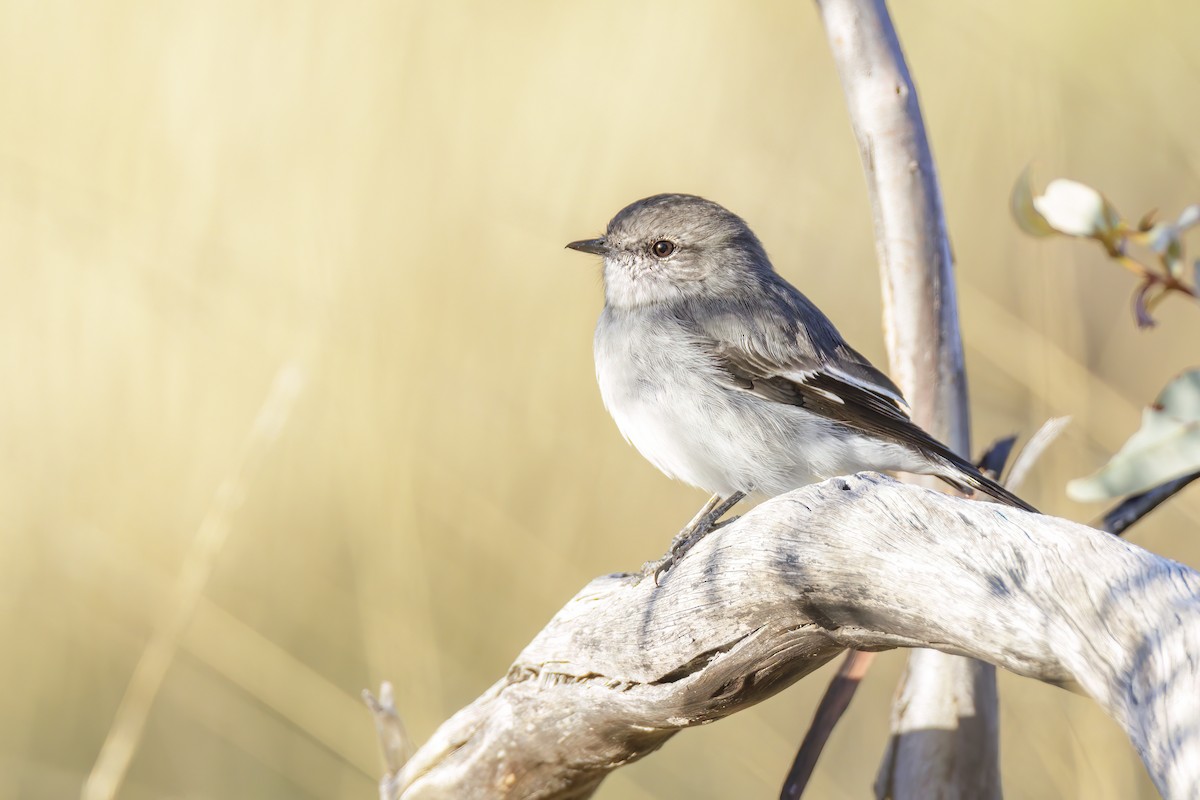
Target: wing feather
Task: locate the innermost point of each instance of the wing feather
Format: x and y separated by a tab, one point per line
782	348
874	409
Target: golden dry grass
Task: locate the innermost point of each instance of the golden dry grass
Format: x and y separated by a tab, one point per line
192	195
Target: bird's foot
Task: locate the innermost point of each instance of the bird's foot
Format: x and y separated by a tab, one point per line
705	522
683	541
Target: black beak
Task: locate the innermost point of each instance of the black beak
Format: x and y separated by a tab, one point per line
597	247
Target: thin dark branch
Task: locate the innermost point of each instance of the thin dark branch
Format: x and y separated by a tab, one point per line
995	457
833	705
1131	510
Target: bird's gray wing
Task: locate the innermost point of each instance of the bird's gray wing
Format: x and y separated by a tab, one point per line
783	348
850	393
856	400
780	331
779	346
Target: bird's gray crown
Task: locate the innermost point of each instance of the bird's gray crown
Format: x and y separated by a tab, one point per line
674	246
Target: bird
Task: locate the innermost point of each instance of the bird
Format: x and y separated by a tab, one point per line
725	376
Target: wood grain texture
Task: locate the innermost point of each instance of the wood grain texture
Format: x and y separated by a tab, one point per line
862	562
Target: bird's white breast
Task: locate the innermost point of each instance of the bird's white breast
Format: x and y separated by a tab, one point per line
677	406
671	402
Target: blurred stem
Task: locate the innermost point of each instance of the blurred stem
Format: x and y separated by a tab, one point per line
1166	280
1133	265
129	723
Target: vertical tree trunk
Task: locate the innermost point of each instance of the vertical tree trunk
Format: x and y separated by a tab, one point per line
944	723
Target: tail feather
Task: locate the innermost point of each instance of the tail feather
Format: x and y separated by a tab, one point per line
964	476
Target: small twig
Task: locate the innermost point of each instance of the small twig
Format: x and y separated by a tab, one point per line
1154	277
1132	264
393	738
1033	450
1131	510
1154	286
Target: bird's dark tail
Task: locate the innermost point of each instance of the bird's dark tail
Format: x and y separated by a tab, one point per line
967	478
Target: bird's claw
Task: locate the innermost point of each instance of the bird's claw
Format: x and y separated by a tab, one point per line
684	541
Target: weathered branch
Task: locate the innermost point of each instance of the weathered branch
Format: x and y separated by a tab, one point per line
841	689
955	698
860	562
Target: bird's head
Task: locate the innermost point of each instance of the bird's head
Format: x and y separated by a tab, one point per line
675	246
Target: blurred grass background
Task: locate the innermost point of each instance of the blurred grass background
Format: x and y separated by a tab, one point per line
193	195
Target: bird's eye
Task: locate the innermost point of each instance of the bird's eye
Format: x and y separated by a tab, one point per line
662	248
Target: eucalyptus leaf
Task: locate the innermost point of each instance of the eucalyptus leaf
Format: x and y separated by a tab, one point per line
1028	218
1165	447
1189	217
1076	209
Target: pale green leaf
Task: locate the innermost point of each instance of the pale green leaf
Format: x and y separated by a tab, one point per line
1165	447
1021	203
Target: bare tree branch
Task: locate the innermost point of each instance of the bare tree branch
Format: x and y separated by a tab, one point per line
957	699
916	266
861	562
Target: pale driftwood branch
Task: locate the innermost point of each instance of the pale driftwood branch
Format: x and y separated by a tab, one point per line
916	266
955	698
861	562
842	688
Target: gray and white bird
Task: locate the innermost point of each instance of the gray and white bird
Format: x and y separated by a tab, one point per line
723	375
